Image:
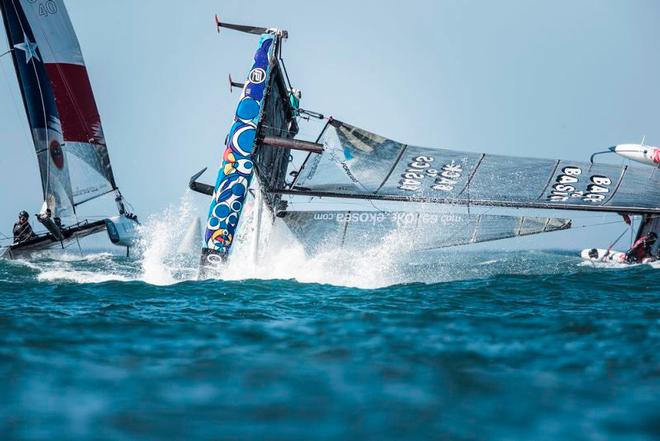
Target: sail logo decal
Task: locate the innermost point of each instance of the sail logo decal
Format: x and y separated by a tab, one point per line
257	75
400	219
566	183
449	177
29	48
56	154
445	179
418	169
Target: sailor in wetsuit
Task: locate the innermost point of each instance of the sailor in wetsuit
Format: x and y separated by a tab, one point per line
641	249
22	228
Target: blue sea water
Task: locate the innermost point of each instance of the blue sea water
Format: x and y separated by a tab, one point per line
508	346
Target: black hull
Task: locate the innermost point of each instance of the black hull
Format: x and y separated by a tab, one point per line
47	241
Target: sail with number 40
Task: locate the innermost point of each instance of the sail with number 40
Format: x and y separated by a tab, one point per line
362	165
59	102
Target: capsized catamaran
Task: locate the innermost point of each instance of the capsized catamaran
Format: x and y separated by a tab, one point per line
260	142
350	163
65	126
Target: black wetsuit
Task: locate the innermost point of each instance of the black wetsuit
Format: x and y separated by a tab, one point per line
22	232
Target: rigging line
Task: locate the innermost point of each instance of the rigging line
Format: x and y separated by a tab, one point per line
309	155
607	253
77	238
280	130
380	210
286	74
93	197
5	53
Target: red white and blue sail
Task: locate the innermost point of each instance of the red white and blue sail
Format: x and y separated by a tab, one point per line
59	102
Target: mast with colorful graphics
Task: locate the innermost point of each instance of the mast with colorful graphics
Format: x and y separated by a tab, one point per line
235	175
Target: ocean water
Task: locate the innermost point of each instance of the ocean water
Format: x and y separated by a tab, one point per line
456	345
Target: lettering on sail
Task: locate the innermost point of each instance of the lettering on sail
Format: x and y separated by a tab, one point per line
449	176
400	219
422	166
566	187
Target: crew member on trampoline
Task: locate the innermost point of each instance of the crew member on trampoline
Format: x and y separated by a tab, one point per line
22	228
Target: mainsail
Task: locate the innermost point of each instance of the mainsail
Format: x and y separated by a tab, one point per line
362	165
59	102
409	231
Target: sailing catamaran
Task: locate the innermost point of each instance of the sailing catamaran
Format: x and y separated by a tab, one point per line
350	163
65	126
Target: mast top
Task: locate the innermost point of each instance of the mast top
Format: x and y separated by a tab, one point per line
256	30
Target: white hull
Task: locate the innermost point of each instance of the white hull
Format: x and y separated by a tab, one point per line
122	230
603	256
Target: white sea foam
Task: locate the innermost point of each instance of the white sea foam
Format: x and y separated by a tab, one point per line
280	256
68	275
76	257
21	262
160	260
608	265
161	263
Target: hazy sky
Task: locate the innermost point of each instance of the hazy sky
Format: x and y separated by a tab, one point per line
535	78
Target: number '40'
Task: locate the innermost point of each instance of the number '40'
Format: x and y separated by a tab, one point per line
47	8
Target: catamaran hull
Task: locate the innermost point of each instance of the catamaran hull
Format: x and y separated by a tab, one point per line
47	241
122	231
237	169
603	256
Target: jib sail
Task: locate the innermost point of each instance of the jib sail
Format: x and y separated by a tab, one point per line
360	164
319	230
59	102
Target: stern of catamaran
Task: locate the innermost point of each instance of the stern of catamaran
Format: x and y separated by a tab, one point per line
123	230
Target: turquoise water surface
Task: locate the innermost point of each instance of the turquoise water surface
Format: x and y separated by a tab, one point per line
518	345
